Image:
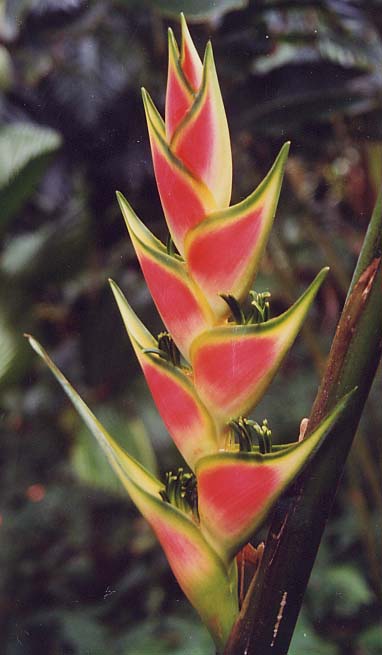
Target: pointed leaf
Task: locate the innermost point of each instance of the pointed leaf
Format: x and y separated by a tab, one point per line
237	490
181	305
179	96
138	229
139	335
199	571
186	418
202	140
189	59
185	199
233	365
126	467
224	251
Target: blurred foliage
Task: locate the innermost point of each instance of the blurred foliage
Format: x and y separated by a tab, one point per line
80	571
198	9
23	158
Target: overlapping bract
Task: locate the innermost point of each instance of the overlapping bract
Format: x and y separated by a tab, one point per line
199	570
226	366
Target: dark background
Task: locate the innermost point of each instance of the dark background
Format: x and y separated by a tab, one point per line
80	572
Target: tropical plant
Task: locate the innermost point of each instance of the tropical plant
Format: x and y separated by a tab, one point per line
220	352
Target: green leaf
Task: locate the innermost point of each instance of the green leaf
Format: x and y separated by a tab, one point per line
24	155
370	641
343	590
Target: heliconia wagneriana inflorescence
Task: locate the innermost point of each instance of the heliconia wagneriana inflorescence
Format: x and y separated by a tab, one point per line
220	350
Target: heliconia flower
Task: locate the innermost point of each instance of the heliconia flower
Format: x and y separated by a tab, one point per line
185	416
184	77
181	304
193	169
223	252
202	575
185	199
201	140
230	354
191	151
236	490
234	364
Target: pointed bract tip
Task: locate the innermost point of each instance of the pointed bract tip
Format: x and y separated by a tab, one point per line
209	68
286	147
314	287
137	331
184	26
281	158
121	199
172	42
152	114
345	400
112	283
318	280
145	94
126	209
208	54
35	344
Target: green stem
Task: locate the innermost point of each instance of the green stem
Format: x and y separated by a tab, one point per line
266	624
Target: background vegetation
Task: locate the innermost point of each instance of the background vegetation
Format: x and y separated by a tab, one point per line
80	572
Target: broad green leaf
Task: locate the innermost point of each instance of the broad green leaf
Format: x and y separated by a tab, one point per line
24	155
